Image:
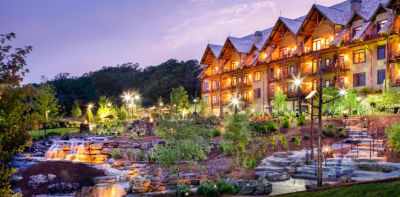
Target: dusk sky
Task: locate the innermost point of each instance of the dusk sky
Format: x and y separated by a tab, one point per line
78	36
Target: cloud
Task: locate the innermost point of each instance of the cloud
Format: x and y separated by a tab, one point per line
239	19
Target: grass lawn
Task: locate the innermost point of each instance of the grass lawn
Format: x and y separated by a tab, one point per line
387	188
53	132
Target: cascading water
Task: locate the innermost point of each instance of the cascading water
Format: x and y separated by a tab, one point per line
76	151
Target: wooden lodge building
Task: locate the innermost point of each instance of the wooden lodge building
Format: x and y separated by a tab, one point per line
356	44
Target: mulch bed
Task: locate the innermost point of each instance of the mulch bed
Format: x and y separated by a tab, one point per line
65	172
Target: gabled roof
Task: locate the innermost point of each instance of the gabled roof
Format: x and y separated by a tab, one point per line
334	15
292	24
215	50
354	17
242	45
360	33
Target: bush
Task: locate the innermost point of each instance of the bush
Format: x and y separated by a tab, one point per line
116	153
328	131
285	122
306	137
215	132
129	154
301	120
250	162
208	188
225	187
272	142
140	156
257	126
283	140
64	174
183	190
296	141
259	156
393	133
341	132
271	126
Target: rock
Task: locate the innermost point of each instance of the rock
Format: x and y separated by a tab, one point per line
282	154
62	187
37	180
263	187
247	187
277	176
104	179
15	178
51	177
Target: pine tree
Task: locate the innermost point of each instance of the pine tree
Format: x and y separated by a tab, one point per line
76	110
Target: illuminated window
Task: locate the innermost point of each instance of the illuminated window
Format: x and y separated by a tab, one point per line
246	80
271	73
215	100
356	30
317	44
246	96
257	76
234	65
381	24
327	41
283	52
327	62
215	85
291	70
359	56
234	81
206	99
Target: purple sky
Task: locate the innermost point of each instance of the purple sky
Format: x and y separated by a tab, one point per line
78	36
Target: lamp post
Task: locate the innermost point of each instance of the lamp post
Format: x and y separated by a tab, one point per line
195	101
235	102
297	81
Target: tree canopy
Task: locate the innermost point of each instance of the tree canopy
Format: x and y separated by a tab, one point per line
152	82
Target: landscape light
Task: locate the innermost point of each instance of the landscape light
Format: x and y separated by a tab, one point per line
137	97
342	92
127	97
90	106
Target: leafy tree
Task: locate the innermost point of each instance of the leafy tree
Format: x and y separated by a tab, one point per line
122	113
236	135
328	94
351	103
180	99
279	102
15	112
45	104
389	99
76	110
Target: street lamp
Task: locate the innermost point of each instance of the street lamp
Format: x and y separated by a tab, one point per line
297	81
195	101
235	102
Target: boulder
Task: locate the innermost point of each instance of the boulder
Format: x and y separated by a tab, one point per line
37	180
277	176
51	177
247	187
263	187
62	187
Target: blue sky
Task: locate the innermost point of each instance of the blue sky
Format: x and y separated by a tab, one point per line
78	36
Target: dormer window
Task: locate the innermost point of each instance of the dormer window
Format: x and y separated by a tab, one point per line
283	53
381	24
356	30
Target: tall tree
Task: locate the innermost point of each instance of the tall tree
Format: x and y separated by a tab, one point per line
45	103
15	112
236	135
279	103
180	99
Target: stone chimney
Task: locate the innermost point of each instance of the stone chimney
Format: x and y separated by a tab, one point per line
356	5
257	37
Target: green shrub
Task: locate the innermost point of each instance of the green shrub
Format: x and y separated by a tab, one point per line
272	141
393	133
264	145
129	154
208	188
271	126
259	156
64	174
285	122
257	126
215	132
226	148
296	141
251	162
328	131
306	137
116	153
225	187
301	120
283	140
183	190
